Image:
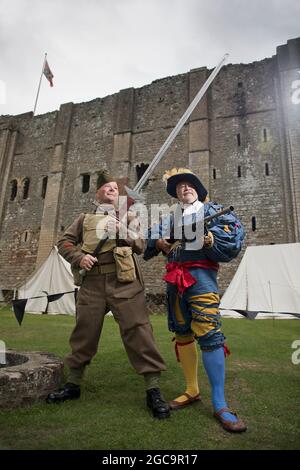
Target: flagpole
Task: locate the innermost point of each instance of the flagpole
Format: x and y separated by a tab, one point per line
38	92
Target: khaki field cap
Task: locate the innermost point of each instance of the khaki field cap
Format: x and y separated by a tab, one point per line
176	175
103	178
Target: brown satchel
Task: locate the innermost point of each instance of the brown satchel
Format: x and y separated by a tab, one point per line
125	265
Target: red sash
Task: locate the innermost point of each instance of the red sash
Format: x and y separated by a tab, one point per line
178	273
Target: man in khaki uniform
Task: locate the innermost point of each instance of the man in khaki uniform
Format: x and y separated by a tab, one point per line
101	291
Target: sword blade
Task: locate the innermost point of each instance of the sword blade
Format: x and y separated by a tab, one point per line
140	184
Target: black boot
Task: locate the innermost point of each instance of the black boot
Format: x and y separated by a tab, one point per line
68	392
159	407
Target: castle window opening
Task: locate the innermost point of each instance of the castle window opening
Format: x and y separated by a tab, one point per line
239	172
14	189
214	174
44	187
85	183
238	138
267	169
240	84
26	184
253	222
265	135
25	237
140	170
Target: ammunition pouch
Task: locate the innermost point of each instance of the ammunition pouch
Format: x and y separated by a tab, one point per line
125	266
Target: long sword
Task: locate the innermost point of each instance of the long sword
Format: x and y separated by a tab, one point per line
134	193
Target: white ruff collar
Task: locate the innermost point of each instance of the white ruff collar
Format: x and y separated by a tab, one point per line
191	208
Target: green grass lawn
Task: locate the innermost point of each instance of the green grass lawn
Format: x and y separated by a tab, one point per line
262	385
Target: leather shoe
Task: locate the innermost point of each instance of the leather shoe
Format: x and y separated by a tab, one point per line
238	426
159	407
68	392
177	405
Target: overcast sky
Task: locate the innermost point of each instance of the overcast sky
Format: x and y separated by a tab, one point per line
97	47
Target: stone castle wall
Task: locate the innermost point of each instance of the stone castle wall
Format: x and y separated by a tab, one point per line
243	140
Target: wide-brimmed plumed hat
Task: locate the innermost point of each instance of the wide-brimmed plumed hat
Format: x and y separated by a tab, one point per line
176	175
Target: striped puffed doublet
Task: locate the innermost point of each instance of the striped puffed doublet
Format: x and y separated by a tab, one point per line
196	316
202	310
205	313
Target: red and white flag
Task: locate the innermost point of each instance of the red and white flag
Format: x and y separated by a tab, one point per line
48	74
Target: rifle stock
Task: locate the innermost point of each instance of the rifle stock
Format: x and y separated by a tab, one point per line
206	221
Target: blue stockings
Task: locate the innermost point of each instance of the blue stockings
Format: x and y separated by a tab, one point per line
214	363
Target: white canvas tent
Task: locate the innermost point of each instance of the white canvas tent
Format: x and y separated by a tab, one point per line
54	276
267	282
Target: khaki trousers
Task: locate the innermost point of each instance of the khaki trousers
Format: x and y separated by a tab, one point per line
100	293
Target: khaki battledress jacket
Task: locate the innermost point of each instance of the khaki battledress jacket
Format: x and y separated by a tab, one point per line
101	292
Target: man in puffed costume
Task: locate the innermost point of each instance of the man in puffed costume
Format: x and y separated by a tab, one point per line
192	289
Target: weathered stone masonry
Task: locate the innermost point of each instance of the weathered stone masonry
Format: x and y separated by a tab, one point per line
243	140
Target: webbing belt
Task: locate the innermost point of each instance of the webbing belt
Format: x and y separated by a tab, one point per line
102	269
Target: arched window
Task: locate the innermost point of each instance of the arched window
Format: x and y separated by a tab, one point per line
85	183
140	170
13	189
44	187
26	184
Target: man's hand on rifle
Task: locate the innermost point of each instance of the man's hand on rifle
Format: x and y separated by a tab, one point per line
208	240
163	245
88	262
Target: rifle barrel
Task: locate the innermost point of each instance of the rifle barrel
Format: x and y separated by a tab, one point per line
218	213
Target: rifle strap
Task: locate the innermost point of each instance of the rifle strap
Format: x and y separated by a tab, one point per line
100	245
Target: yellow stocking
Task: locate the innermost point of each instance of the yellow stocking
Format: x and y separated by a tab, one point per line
188	357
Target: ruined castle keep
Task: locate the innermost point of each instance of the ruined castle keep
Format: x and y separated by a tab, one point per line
243	140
